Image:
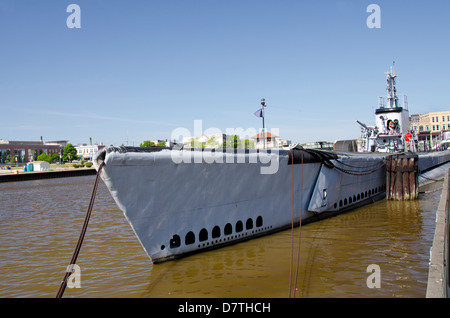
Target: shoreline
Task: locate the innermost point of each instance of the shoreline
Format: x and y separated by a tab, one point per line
17	175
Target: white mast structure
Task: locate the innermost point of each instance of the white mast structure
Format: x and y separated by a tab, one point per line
391	121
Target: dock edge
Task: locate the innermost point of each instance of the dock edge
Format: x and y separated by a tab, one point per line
438	274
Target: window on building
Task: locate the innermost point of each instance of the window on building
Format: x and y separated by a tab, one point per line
437	118
437	127
443	118
432	118
420	128
427	128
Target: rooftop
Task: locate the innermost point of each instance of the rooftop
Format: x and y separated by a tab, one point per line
267	135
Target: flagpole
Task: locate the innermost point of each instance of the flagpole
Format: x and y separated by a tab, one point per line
263	103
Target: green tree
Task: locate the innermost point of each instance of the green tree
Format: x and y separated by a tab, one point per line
45	157
232	142
161	143
55	157
249	144
147	143
69	150
195	143
5	156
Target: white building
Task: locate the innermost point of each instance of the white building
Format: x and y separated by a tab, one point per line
86	152
41	166
268	141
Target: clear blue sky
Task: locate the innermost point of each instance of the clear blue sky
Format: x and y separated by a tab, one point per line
137	70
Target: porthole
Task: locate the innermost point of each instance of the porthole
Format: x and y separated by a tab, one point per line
190	238
239	226
259	221
203	236
216	232
175	241
249	224
228	229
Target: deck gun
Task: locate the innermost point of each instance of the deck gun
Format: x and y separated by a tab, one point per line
369	130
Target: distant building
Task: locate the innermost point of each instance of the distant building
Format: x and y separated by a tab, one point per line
283	142
266	141
41	166
61	143
319	145
86	152
25	151
430	127
434	122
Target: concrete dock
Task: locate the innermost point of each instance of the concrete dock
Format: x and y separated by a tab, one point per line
438	275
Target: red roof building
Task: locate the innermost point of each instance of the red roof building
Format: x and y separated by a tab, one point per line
268	138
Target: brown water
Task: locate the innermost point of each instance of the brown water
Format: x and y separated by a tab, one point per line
40	222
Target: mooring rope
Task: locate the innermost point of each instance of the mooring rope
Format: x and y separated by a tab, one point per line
361	173
326	161
292	231
63	285
300	227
